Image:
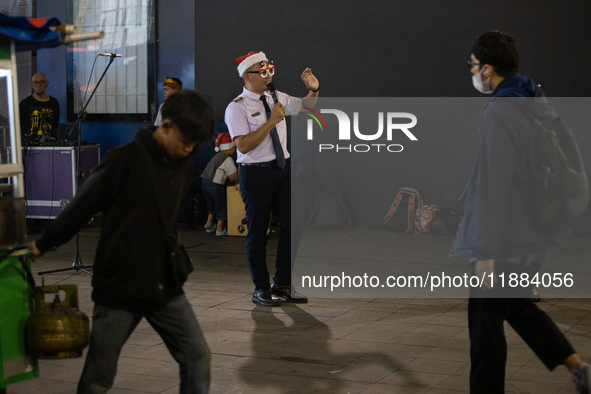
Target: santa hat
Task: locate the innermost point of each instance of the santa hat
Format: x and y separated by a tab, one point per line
224	142
247	61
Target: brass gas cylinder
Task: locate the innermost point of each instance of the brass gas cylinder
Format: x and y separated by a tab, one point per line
57	329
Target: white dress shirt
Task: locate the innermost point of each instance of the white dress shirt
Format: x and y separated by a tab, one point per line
246	113
158	121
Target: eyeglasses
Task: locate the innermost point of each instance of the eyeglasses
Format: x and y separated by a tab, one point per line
38	82
263	72
269	69
472	64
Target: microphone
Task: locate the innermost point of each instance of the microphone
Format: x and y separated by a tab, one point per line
110	54
273	90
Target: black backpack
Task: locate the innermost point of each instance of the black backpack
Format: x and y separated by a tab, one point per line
556	191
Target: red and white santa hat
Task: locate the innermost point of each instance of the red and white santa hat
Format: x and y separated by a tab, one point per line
223	142
247	61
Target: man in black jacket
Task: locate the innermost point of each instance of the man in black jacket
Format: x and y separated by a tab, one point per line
496	232
132	276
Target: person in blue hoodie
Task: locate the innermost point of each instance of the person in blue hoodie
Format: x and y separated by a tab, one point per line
495	231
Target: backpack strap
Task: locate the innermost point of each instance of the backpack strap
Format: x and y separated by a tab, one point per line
411	212
414	200
528	112
393	209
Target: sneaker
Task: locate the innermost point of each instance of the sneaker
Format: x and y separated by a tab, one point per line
581	378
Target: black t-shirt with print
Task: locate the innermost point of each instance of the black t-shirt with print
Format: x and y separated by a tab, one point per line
39	117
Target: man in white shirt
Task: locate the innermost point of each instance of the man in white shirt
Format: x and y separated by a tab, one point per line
171	86
260	135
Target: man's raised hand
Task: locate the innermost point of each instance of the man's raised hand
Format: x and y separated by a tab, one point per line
310	80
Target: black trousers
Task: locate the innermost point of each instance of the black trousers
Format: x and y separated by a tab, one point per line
263	189
488	348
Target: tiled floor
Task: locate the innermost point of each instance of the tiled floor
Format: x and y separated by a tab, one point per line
326	346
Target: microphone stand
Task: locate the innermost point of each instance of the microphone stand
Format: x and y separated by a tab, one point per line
77	264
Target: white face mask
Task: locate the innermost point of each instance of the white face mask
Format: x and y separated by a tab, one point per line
480	85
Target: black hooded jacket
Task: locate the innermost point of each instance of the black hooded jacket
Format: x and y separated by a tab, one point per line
130	266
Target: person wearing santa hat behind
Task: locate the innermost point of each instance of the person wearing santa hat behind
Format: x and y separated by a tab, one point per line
258	128
171	86
220	171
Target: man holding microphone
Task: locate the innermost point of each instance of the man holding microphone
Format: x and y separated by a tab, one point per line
256	123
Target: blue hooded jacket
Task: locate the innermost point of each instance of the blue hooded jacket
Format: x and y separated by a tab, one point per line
495	224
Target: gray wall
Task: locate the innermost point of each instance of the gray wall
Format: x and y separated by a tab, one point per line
389	48
357	49
394	49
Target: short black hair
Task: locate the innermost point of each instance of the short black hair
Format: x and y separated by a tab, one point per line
191	113
498	50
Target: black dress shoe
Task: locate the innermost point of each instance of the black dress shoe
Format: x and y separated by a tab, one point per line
264	297
288	293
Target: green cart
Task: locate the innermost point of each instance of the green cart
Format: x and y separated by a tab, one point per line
17	363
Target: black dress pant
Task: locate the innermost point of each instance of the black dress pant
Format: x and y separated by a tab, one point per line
488	348
263	189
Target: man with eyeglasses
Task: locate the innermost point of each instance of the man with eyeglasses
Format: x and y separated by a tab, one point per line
496	232
259	130
39	113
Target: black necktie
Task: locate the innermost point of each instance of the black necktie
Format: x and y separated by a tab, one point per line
280	157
